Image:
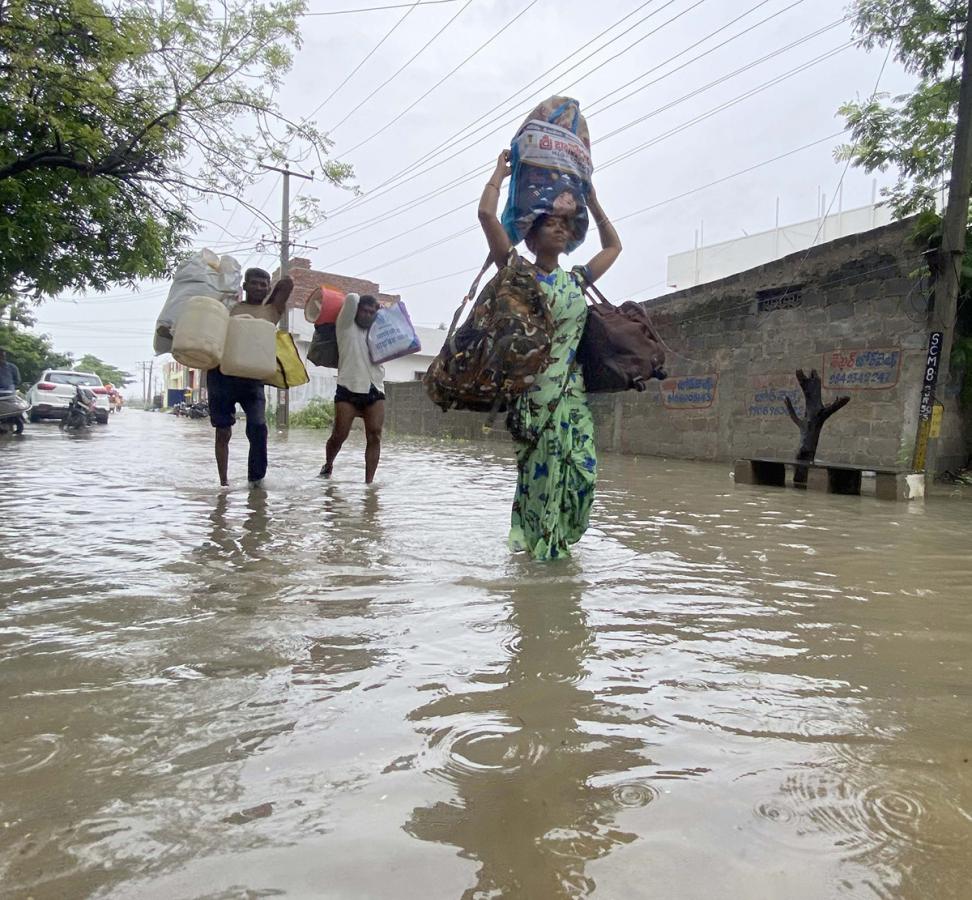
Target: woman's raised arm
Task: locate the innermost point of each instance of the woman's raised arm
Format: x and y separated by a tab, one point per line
610	242
496	237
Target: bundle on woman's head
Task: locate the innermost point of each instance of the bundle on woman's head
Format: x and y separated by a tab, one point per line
551	167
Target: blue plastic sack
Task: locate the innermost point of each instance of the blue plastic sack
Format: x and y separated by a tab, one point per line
551	166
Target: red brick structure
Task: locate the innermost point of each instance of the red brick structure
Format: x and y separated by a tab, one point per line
308	280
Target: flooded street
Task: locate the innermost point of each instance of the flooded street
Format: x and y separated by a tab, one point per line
331	691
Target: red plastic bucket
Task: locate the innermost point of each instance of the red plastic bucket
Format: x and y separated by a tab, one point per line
323	305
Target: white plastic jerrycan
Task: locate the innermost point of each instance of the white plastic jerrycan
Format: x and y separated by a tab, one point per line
251	348
200	333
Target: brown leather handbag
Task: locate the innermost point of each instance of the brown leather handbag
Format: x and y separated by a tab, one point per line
619	349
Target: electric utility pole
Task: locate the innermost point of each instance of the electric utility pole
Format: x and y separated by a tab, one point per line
954	224
283	398
146	368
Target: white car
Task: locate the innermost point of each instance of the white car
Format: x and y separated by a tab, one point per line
50	397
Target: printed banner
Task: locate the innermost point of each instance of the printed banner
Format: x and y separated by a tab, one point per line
689	391
857	370
769	393
549	146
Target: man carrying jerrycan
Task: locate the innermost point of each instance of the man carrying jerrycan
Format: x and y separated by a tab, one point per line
225	391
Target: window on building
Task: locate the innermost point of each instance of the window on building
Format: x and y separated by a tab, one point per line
787	297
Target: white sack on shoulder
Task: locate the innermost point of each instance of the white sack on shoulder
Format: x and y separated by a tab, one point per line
204	274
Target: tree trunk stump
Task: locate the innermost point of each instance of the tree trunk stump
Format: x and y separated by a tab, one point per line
812	423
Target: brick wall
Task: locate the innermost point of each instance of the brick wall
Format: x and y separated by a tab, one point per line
308	280
853	310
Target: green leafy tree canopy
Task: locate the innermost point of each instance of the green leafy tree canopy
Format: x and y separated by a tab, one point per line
117	115
31	353
912	132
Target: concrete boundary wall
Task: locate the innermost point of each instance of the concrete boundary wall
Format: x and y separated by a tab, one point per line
854	309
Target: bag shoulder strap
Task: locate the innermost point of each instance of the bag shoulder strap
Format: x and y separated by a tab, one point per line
469	295
513	259
582	275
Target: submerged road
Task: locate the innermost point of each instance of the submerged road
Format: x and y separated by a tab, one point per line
324	690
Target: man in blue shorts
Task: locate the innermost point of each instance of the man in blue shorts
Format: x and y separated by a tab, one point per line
225	391
360	384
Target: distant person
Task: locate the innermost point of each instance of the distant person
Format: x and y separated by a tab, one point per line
360	384
225	391
9	374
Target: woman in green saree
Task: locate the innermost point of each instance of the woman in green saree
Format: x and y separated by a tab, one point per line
553	432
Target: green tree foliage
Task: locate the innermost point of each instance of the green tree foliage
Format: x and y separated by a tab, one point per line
116	115
912	132
31	353
107	373
928	234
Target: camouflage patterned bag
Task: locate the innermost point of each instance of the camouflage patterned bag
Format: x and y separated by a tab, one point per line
498	351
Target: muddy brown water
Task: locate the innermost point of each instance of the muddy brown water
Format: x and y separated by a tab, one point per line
330	691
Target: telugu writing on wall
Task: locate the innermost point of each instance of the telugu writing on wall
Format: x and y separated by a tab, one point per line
769	392
849	370
689	391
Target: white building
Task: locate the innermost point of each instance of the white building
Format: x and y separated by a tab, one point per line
714	261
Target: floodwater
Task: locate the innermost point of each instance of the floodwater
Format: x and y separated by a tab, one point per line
331	691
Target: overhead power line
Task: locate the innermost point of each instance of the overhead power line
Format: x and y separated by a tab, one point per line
480	137
850	156
716	82
379	191
475	122
441	81
741	172
402	208
348	77
367	56
670	133
680	196
364	9
403	67
658	204
694	59
401	287
843	174
692	94
724	106
329	12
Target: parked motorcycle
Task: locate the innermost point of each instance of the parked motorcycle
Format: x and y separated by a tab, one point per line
81	410
13	412
198	410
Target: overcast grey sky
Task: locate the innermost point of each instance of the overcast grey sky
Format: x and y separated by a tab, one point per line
647	86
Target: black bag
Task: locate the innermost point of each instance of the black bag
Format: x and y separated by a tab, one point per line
323	350
619	349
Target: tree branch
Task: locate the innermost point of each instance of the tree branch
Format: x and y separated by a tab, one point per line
792	411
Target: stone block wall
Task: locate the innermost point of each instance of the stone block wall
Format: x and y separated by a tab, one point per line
853	309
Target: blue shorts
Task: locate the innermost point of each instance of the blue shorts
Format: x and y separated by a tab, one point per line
225	391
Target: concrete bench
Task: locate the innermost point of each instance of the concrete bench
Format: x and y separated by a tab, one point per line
833	478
